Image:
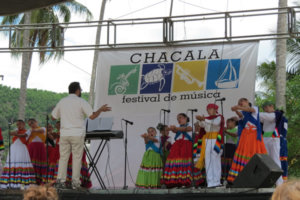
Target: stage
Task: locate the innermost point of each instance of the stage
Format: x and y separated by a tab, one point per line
143	194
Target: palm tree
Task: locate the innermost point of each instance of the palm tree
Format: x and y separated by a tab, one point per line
96	54
28	38
281	59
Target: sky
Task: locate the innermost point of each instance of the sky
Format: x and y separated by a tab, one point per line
77	66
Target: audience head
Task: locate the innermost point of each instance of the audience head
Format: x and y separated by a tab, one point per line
40	193
287	191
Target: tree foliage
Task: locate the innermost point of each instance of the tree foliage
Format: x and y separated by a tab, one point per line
44	36
39	104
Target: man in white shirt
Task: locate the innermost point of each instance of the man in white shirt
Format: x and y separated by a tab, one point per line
268	118
72	111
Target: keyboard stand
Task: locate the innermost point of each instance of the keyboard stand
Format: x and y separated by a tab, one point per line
94	160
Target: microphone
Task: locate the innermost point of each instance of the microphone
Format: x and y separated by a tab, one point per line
222	99
127	121
168	110
193	110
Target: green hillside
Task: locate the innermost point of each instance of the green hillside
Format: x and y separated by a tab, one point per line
39	104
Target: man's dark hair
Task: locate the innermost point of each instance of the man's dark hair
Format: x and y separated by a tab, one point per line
73	87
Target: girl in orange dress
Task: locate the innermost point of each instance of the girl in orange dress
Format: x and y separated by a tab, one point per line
250	137
37	150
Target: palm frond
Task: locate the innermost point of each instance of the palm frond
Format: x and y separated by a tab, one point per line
293	53
75	7
13	19
267	70
48	37
64	12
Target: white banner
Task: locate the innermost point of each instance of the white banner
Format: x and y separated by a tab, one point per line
138	83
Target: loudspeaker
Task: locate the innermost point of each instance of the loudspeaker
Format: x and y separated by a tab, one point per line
260	172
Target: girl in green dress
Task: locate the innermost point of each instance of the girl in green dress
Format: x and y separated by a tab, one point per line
151	167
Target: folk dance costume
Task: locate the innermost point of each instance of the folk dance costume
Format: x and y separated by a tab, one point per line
53	153
1	150
271	139
197	149
178	166
151	167
84	172
227	156
210	154
250	142
281	127
37	152
18	169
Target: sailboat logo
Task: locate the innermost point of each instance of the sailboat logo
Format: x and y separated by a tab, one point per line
223	74
228	78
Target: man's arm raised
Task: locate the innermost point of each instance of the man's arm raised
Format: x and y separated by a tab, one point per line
103	108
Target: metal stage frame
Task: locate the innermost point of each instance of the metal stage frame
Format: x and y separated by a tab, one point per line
167	26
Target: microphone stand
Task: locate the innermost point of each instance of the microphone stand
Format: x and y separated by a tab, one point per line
164	112
164	159
9	154
193	138
224	153
125	163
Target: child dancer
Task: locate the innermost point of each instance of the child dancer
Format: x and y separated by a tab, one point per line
165	141
210	154
250	137
230	145
18	169
271	134
178	167
37	150
53	152
151	167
